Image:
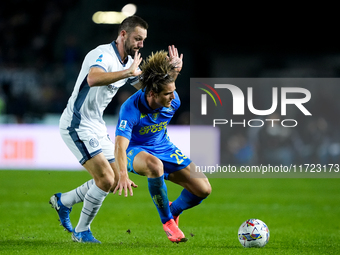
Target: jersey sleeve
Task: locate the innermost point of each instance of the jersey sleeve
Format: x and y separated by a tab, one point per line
128	118
133	80
99	58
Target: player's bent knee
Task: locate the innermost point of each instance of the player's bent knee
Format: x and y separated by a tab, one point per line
106	182
114	185
208	190
205	190
154	167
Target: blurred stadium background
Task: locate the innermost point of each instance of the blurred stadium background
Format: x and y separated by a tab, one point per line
43	44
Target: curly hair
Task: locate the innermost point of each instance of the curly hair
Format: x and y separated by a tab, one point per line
157	71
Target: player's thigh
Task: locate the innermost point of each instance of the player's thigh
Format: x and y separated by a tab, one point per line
99	167
88	148
196	183
143	163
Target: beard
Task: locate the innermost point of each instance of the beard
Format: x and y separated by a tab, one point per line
129	49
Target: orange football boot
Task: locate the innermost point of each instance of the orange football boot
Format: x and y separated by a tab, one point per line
174	234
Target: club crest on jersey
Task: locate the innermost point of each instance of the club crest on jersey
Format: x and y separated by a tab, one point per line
122	125
100	58
94	142
155	116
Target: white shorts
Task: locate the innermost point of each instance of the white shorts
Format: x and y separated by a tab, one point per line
86	144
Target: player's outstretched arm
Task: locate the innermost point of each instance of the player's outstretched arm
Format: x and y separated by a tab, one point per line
124	183
98	77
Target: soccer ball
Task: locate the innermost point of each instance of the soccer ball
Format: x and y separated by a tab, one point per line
253	233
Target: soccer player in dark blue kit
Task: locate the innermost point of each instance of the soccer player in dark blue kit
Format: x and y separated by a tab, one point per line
142	145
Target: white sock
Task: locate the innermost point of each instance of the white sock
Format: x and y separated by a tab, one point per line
77	195
92	202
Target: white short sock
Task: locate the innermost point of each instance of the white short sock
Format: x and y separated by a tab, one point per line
92	202
77	195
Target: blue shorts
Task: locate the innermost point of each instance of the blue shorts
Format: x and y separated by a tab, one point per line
172	158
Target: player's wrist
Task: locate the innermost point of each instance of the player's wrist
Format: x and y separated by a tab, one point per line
123	174
128	73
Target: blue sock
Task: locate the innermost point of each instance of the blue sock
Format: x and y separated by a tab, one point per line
185	201
159	195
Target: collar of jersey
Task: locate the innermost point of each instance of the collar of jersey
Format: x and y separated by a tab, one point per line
118	55
144	107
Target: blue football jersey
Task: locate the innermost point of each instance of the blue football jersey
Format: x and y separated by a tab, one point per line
144	126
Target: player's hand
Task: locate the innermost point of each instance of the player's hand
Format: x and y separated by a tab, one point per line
175	59
125	184
134	71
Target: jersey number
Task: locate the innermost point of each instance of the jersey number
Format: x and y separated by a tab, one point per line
177	155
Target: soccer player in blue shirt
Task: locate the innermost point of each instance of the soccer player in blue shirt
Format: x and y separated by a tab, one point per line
142	145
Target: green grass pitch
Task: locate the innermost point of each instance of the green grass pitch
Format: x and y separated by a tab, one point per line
302	216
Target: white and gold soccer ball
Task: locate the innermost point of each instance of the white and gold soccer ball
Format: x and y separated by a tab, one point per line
253	233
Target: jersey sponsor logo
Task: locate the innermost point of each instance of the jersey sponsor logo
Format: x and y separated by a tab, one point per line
153	128
111	87
100	58
122	125
94	142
